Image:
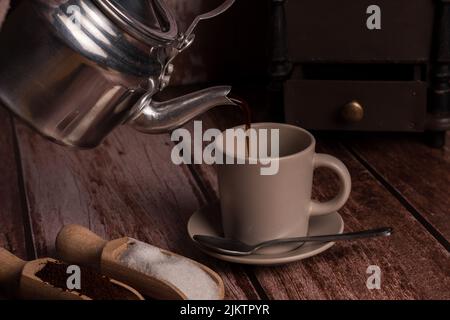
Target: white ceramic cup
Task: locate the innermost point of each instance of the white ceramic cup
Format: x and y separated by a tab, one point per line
257	208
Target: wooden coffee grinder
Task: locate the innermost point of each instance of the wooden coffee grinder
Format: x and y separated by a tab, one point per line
363	65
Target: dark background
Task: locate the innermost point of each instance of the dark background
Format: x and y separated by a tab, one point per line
231	48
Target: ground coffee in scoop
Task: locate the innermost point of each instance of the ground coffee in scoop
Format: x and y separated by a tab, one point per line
93	284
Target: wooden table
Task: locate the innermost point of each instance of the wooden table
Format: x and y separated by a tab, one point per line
129	186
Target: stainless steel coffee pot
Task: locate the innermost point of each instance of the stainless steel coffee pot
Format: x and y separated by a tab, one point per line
76	69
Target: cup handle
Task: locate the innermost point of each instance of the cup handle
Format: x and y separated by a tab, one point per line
327	161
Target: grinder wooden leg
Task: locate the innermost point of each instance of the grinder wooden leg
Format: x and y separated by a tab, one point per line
280	66
439	102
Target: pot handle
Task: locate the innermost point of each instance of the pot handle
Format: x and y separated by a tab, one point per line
188	36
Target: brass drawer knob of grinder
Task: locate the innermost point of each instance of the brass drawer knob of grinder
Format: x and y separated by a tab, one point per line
352	112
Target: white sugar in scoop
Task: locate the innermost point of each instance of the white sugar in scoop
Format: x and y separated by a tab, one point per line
181	272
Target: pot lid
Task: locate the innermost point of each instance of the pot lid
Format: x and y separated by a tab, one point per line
147	20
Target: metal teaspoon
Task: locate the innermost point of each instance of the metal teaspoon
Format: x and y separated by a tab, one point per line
238	248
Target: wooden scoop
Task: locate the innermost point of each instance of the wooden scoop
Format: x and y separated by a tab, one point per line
18	278
77	244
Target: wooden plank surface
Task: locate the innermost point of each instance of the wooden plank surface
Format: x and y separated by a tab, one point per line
12	236
4	5
413	264
128	186
419	174
12	224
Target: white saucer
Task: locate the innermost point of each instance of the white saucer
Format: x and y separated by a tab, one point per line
201	223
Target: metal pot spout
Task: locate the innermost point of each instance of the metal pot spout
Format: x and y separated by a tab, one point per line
162	117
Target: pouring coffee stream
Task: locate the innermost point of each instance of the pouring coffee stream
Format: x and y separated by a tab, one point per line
245	108
247	114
